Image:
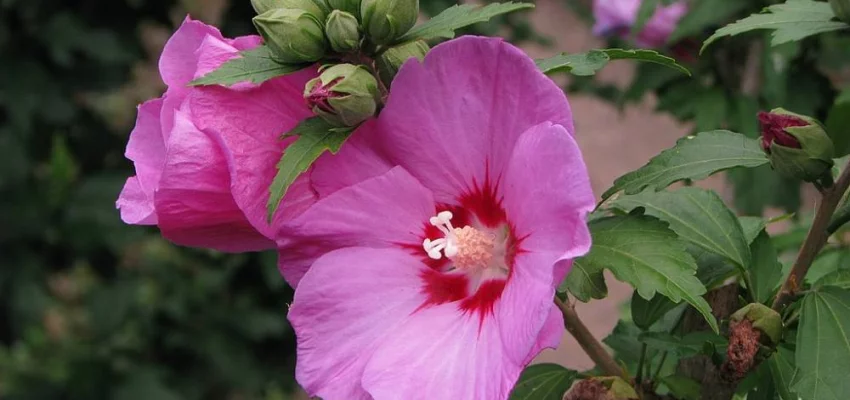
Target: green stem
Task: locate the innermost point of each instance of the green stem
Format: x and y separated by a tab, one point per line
660	365
641	360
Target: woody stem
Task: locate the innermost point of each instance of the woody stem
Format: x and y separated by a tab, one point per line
815	239
587	341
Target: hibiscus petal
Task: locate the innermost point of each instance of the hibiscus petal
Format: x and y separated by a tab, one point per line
549	211
441	353
195	49
147	151
179	58
548	214
551	334
194	203
135	206
248	124
385	211
456	117
356	161
349	302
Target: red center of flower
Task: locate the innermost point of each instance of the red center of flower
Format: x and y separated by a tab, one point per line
319	95
470	249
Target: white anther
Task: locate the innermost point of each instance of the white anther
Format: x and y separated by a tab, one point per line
447	244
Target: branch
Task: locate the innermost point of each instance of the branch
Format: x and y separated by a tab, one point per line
815	239
588	342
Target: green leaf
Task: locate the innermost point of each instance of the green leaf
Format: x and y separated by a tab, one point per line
585	282
693	157
696	215
752	226
683	346
543	382
838	123
445	23
765	271
712	269
703	14
585	64
781	365
647	312
827	262
682	387
255	66
315	136
823	346
579	64
791	21
757	385
643	252
624	341
839	278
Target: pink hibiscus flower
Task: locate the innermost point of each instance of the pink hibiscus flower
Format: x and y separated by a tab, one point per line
618	16
428	268
205	156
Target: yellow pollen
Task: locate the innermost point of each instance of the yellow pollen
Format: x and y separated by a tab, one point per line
475	248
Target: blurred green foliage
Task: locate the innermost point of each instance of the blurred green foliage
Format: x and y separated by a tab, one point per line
91	308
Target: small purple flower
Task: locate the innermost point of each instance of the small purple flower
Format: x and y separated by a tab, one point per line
616	17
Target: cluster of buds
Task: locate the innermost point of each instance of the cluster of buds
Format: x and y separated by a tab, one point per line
329	31
797	146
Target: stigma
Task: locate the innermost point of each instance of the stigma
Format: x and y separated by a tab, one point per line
467	247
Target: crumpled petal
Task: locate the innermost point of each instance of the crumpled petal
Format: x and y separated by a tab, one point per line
146	149
247	125
194	203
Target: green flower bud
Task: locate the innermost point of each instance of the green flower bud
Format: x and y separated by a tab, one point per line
316	7
350	6
343	31
344	94
392	59
295	36
386	20
841	8
763	318
797	145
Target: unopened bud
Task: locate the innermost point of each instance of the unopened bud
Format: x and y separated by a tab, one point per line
316	7
294	36
389	62
350	6
344	94
343	31
386	20
841	8
797	145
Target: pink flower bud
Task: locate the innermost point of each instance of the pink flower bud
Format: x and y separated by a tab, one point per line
773	129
